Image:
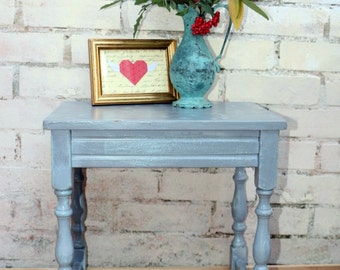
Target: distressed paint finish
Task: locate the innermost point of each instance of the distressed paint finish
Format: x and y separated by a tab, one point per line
226	135
62	174
238	249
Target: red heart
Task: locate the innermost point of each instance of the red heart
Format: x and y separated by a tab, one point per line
134	72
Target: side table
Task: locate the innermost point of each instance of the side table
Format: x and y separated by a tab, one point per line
231	134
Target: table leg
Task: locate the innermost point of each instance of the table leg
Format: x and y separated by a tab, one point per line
64	246
238	249
262	244
78	220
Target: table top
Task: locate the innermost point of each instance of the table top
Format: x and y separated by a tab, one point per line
75	115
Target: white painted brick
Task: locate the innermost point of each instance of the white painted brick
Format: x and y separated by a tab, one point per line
328	192
287	21
327	221
318	56
301	189
130	12
174	250
30	200
31	47
122	184
23	113
77	14
80	49
183	217
305	250
245	53
19	210
157	18
23	247
330	157
289	221
211	184
222	221
57	83
290	153
145	250
310	123
80	52
6	79
218	89
7	12
192	185
332	89
309	2
280	222
8	145
35	150
335	22
101	214
335	251
273	89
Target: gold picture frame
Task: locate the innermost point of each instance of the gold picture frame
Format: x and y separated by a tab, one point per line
131	71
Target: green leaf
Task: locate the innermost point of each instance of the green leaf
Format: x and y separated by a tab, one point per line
160	3
157	2
173	4
143	9
182	12
166	4
111	4
254	7
207	9
139	2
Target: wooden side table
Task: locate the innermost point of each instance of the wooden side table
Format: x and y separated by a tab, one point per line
236	135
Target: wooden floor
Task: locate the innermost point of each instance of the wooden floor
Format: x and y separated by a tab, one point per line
273	267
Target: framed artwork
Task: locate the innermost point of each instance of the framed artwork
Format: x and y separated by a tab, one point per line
131	71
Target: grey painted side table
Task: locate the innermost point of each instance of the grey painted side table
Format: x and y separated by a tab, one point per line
236	135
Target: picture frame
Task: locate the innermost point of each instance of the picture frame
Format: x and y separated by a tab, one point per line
131	71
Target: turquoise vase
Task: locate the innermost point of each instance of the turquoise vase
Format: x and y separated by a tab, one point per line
192	68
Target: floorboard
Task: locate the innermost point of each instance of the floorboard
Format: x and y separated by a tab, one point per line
272	267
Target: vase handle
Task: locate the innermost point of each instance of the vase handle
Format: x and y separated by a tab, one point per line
217	59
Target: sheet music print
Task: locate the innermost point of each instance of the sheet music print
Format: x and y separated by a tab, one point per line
133	71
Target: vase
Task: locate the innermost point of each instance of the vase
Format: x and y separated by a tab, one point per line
192	68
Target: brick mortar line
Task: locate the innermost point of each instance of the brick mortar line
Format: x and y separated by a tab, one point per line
110	32
224	235
303	205
64	64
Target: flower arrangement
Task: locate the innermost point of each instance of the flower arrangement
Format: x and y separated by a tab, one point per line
207	14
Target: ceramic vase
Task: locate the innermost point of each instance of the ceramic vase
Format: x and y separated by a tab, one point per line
192	68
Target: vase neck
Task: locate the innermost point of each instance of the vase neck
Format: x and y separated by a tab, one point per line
188	20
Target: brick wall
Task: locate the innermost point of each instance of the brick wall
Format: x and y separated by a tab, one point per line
167	217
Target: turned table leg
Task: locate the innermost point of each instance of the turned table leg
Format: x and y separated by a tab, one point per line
64	246
238	249
262	245
78	220
62	184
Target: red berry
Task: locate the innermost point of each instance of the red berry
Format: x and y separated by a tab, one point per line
202	27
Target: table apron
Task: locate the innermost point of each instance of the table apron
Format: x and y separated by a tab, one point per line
165	147
175	161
